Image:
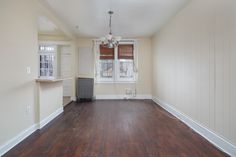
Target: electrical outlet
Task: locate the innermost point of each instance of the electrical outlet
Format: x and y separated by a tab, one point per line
28	70
28	109
128	91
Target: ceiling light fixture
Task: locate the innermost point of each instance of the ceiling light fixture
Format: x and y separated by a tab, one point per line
109	40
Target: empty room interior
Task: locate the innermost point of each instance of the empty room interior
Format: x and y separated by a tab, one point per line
118	78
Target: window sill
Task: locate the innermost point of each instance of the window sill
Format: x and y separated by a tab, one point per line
115	82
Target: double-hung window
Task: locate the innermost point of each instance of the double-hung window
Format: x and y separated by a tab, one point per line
47	61
117	65
106	64
125	63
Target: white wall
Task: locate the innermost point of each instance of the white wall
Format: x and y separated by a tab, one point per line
194	64
50	98
19	102
18	49
86	62
65	67
143	86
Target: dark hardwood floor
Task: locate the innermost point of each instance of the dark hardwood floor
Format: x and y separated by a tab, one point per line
115	129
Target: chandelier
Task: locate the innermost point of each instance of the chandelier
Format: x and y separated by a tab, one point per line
110	40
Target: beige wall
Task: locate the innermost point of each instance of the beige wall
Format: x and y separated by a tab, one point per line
194	64
50	98
144	71
18	49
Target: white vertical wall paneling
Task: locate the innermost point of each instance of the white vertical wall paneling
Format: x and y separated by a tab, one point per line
66	70
194	64
232	71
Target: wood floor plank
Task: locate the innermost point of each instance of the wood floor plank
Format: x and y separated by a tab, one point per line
115	128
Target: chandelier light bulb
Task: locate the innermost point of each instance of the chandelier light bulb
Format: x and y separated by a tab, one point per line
109	36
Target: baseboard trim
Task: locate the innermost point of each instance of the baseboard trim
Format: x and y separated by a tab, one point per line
209	135
24	134
121	97
52	116
73	98
212	137
17	139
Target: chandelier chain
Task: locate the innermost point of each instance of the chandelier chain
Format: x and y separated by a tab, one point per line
110	12
110	41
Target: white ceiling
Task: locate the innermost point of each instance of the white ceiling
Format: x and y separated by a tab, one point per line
132	18
46	26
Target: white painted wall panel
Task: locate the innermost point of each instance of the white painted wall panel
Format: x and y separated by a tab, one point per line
194	64
18	50
66	70
86	62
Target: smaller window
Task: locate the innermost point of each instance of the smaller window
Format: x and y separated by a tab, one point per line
46	65
47	61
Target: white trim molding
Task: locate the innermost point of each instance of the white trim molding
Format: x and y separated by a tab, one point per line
17	139
121	97
209	135
24	134
73	98
212	137
52	116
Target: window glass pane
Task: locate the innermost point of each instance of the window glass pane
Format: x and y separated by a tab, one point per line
126	69
46	65
47	55
106	68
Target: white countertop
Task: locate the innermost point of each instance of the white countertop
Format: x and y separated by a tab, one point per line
51	80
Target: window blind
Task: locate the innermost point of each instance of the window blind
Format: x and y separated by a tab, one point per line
126	51
106	53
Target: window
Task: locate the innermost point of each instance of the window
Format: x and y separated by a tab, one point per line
106	69
116	64
126	62
106	63
47	60
126	69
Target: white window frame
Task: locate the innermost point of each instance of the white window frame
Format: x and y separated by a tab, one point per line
116	67
45	52
118	78
103	80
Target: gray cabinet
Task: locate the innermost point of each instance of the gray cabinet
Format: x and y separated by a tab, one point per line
85	89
